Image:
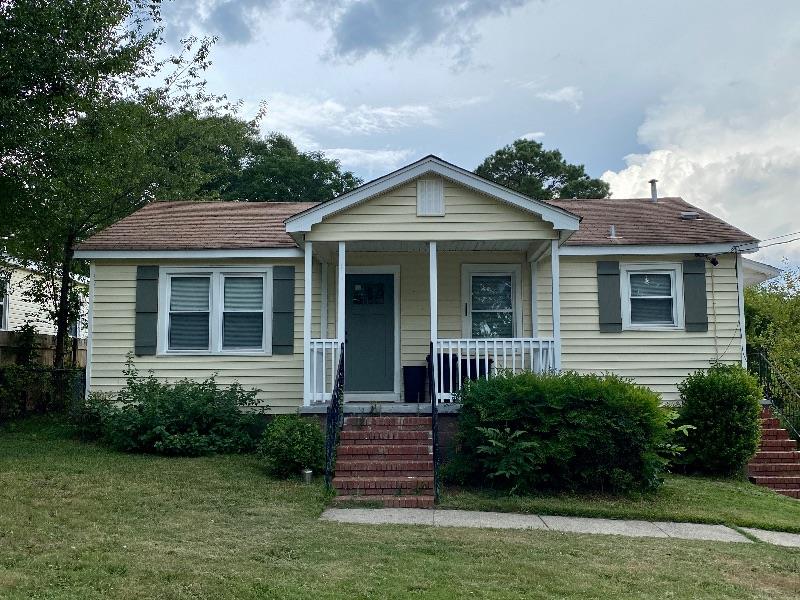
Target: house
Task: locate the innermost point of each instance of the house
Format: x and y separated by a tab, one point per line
17	308
429	256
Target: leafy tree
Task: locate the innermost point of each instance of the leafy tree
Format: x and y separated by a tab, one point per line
526	167
772	321
82	142
274	169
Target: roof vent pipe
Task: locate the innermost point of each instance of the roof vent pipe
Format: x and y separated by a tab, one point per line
653	190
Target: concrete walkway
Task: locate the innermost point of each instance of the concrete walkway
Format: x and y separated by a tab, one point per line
495	520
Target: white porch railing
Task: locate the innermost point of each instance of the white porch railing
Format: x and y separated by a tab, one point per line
323	360
460	359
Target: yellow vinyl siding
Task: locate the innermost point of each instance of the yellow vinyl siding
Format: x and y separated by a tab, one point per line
657	359
468	216
279	377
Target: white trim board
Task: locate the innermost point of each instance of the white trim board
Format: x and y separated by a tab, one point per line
560	218
384	270
657	249
220	253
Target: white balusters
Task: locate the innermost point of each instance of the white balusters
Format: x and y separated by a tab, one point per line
324	358
461	359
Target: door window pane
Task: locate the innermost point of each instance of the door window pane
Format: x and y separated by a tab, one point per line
492	325
243	315
491	292
189	313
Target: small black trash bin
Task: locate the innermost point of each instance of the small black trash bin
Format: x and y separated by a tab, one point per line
414	381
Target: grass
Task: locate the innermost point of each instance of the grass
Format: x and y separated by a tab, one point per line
79	521
734	502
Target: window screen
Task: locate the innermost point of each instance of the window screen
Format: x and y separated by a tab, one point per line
243	313
652	298
492	306
189	313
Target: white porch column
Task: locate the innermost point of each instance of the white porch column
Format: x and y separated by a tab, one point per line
534	300
340	294
434	295
307	297
556	275
323	298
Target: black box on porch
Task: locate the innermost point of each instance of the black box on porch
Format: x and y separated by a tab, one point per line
414	380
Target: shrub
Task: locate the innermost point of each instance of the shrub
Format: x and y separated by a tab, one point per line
290	444
187	418
561	431
723	404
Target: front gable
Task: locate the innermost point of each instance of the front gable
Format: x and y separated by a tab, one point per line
431	199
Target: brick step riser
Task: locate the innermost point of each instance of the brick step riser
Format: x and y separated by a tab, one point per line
762	457
345	473
777	445
420	464
790	493
780	486
367	442
775	434
370	451
387	421
389	429
786	472
390	501
387	491
387	436
770	423
777	481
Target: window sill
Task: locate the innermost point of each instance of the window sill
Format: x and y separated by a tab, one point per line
248	353
653	328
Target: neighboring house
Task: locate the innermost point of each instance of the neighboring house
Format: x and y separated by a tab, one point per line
428	256
17	309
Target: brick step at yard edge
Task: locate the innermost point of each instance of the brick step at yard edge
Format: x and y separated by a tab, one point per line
776	465
385	460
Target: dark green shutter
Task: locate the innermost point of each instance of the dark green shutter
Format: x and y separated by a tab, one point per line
146	332
283	310
608	296
695	302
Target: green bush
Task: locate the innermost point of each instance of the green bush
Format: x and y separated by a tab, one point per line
187	418
723	404
567	431
290	444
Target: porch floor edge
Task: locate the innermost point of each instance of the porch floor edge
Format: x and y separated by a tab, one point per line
382	408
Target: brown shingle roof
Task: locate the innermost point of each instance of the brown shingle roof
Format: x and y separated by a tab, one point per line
200	225
232	225
642	221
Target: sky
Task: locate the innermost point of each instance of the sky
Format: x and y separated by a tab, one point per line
703	96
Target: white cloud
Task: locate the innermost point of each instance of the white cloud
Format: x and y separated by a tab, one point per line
534	135
569	94
732	150
373	162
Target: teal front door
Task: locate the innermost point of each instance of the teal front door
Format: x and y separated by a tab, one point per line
369	339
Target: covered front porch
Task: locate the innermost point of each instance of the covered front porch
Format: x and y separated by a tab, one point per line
444	310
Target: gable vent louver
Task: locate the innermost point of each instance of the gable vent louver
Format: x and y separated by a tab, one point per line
430	197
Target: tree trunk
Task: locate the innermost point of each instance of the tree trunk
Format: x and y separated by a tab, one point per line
62	320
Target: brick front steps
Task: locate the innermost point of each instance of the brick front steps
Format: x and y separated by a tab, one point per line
776	465
385	460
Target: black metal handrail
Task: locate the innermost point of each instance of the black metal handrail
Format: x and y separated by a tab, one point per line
434	424
334	418
782	396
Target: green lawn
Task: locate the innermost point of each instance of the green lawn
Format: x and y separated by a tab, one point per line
78	521
693	499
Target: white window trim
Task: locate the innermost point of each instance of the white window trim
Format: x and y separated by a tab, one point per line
675	270
216	296
469	270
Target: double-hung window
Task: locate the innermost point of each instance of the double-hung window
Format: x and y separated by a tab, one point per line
491	306
215	311
651	296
